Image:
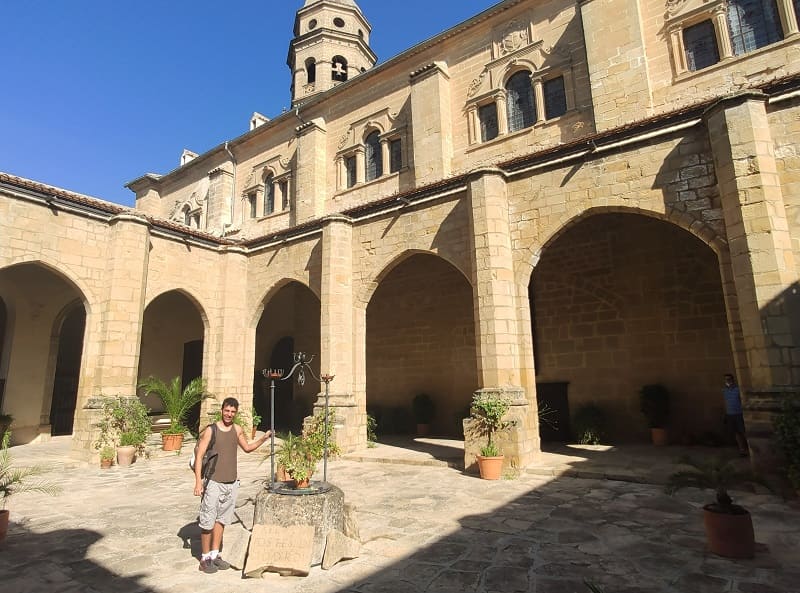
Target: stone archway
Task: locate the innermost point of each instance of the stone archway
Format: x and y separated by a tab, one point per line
44	312
622	300
290	322
173	337
420	338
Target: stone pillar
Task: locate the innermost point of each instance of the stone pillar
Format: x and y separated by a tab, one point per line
228	370
761	258
501	100
336	331
221	201
618	73
497	320
110	361
312	160
432	123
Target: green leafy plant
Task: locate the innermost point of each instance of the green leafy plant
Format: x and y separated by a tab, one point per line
372	435
589	424
107	453
177	402
255	420
487	412
787	434
654	403
124	418
299	454
716	474
16	480
5	424
423	408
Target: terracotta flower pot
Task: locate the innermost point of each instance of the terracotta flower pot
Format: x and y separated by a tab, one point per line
728	534
659	436
106	463
491	468
3	524
125	455
302	483
171	442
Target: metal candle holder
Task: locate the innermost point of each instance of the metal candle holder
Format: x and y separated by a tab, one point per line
302	363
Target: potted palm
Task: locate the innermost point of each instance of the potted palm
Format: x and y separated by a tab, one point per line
177	403
15	480
728	526
124	424
654	401
424	411
487	412
299	454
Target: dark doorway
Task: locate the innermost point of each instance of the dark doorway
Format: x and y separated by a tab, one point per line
557	427
3	325
68	369
287	414
192	368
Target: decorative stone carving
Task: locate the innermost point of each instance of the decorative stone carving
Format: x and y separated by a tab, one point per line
475	85
515	37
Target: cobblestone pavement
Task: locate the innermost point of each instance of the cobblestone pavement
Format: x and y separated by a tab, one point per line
424	529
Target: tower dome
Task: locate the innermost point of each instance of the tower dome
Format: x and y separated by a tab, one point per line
330	46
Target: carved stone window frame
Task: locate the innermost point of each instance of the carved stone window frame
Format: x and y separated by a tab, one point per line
681	14
352	144
280	170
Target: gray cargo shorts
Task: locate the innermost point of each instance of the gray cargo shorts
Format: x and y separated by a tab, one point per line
218	504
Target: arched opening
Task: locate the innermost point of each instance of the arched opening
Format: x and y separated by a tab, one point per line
172	346
289	323
339	69
520	101
421	339
41	344
68	370
374	156
619	301
311	71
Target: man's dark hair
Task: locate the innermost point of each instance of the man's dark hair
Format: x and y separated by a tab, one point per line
230	402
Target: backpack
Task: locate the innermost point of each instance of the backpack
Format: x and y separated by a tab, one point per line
209	457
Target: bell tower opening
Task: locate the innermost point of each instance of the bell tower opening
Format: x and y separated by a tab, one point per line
328	34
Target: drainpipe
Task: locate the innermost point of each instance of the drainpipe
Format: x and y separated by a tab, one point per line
233	193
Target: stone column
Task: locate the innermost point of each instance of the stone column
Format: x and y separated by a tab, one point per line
312	160
431	123
497	321
501	101
110	361
228	370
336	331
761	259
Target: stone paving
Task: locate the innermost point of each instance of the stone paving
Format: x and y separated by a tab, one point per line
424	529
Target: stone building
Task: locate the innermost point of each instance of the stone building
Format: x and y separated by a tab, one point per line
560	200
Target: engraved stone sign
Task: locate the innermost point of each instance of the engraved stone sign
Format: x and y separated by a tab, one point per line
285	550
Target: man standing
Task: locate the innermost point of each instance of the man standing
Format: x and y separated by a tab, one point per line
219	491
734	418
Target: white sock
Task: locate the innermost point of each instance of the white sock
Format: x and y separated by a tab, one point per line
213	554
206	557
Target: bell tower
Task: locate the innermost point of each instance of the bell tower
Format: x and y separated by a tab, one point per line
330	46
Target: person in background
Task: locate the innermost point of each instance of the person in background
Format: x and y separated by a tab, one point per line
734	418
221	485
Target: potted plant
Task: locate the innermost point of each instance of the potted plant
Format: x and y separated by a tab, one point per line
729	527
487	412
177	403
125	424
255	422
15	480
589	424
654	402
424	411
299	454
107	454
787	435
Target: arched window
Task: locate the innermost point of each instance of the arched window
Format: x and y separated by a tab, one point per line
339	69
520	102
753	24
269	195
311	71
372	145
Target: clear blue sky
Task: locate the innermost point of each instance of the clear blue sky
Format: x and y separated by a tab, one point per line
96	93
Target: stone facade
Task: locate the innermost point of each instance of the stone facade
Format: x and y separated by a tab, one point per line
515	202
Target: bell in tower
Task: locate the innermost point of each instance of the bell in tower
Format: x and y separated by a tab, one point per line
330	46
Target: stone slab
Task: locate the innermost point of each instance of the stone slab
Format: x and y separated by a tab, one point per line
339	547
285	550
